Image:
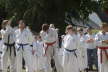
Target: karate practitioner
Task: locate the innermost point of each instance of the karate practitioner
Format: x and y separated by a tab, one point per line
70	57
90	44
1	51
40	64
102	43
50	38
82	52
52	26
24	39
56	52
9	53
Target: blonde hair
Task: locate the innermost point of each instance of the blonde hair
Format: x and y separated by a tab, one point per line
52	26
4	22
68	28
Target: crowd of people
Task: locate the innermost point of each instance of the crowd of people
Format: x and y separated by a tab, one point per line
81	50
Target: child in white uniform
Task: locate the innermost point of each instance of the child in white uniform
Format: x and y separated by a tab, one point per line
39	58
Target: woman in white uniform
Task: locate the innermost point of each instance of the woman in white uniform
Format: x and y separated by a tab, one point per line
50	38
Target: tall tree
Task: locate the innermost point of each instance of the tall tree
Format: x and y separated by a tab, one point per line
37	12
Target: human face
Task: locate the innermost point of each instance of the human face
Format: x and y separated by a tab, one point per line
3	26
38	38
70	31
81	32
5	22
21	24
90	31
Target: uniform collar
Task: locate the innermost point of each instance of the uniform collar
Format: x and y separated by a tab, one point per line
23	30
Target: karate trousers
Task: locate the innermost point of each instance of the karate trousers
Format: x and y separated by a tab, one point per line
102	66
24	51
57	60
70	62
82	58
8	59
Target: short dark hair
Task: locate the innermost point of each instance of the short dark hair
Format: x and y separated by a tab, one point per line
81	30
45	27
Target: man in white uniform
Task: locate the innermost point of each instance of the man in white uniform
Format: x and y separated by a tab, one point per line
24	39
70	57
8	38
49	37
102	43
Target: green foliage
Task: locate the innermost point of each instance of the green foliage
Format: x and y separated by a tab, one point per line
104	4
87	7
37	12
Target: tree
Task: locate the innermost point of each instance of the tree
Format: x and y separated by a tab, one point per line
37	12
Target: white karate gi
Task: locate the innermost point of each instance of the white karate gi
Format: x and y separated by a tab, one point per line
70	54
82	54
103	67
39	58
90	45
1	51
23	41
57	54
50	37
35	59
60	56
8	56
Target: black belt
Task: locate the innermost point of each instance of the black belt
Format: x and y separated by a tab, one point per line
74	51
21	46
10	46
0	52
